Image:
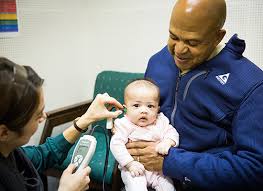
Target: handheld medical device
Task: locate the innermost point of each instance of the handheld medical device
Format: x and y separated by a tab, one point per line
84	151
109	123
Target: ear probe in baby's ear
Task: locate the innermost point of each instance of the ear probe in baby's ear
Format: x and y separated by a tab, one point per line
124	109
109	123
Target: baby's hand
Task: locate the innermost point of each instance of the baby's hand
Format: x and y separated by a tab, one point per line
164	146
135	168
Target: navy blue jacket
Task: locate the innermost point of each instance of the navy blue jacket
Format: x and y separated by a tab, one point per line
217	108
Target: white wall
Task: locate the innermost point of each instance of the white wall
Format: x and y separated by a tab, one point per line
245	19
70	42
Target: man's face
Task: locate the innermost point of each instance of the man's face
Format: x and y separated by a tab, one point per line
191	43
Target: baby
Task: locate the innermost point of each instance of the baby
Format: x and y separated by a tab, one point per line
142	122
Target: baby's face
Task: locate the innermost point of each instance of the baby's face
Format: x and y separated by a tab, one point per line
142	106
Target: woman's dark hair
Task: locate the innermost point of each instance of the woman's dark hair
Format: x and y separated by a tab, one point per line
19	94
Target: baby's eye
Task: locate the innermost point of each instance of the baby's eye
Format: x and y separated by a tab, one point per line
151	106
136	105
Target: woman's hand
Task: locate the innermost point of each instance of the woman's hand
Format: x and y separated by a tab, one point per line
99	109
78	181
145	153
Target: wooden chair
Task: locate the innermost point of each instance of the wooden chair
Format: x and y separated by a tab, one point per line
113	83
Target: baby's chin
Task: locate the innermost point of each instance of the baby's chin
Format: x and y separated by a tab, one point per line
143	123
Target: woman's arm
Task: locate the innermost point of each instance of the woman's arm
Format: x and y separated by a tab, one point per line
55	149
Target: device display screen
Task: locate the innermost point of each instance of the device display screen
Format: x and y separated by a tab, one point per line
83	149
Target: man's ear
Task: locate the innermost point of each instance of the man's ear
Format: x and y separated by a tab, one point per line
220	36
4	132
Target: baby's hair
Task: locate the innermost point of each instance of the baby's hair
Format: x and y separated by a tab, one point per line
144	80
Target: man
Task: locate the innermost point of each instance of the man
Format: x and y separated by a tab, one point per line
213	97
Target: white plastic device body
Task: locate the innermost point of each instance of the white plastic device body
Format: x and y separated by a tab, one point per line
84	151
109	123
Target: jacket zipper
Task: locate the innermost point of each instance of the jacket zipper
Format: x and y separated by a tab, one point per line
175	98
185	91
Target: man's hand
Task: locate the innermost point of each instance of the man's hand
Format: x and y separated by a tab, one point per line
146	153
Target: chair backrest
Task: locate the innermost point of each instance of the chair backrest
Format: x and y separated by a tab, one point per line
113	83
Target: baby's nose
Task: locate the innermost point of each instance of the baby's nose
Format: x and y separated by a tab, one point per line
144	109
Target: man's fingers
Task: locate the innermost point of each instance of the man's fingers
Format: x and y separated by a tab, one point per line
138	144
142	158
139	155
134	153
